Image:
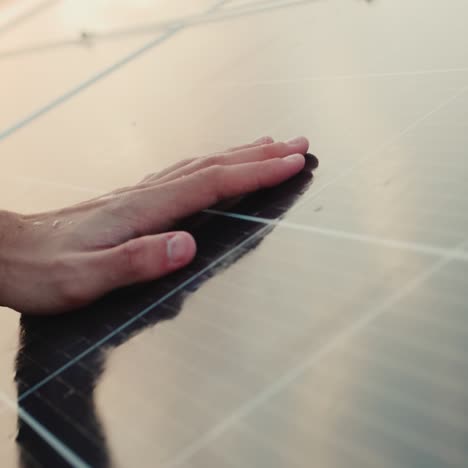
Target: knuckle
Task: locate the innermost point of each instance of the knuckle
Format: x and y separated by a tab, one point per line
264	150
217	175
121	190
212	173
131	253
255	182
186	161
214	159
278	149
69	286
149	177
73	293
231	149
212	182
269	149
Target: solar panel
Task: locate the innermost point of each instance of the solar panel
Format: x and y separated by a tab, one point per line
323	321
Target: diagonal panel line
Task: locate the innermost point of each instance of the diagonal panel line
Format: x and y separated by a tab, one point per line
91	81
35	10
296	372
416	247
355	76
171	31
66	453
387	144
178	288
141	314
187	282
212	15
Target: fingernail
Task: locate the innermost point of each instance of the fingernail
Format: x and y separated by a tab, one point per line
295	141
294	158
177	248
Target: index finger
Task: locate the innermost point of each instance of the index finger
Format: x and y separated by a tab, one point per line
183	197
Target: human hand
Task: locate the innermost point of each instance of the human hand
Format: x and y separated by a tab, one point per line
64	259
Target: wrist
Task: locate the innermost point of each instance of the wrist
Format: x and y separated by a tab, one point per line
10	226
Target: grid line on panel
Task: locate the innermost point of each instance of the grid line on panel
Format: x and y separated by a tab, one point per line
140	315
445	255
207	17
384	146
88	83
416	247
356	76
290	376
65	452
169	30
391	243
221	5
35	10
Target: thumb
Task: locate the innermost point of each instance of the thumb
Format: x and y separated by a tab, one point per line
145	258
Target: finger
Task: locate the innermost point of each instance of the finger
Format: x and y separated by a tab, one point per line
165	175
159	207
141	259
250	154
159	175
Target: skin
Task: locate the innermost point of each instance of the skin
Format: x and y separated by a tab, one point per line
61	260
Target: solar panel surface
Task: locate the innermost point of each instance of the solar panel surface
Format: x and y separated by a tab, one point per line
323	322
